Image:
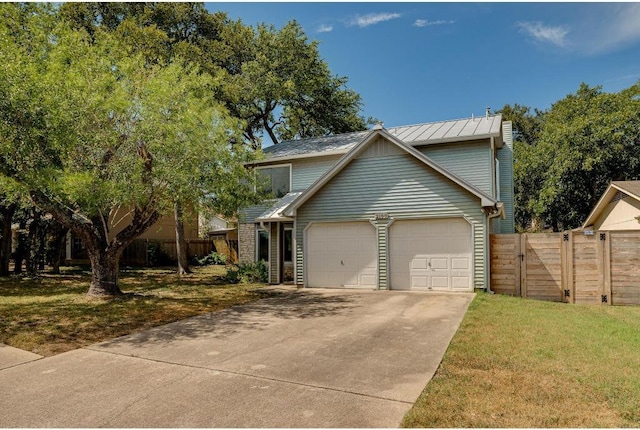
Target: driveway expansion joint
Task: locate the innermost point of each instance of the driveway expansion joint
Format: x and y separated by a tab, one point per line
249	375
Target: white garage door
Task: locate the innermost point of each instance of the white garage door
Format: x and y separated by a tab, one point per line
342	255
431	255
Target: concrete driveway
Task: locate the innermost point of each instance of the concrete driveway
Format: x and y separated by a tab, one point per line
319	358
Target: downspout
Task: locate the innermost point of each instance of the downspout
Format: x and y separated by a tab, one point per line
499	211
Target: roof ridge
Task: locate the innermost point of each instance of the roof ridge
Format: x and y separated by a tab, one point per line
446	120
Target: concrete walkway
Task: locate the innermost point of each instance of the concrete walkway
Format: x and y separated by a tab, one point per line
321	358
10	356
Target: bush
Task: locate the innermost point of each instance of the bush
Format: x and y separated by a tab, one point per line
156	256
213	258
248	273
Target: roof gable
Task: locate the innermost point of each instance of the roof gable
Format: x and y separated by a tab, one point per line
630	188
362	148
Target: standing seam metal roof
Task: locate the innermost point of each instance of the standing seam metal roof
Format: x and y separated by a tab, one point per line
463	129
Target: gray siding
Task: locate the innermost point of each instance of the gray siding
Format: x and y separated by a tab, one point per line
306	172
252	212
469	161
505	178
398	185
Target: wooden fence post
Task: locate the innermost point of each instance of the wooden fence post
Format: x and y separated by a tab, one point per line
518	264
568	284
523	265
604	267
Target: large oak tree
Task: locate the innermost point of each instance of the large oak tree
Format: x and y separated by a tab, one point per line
87	129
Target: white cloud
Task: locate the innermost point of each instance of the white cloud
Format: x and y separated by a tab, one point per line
324	28
543	33
426	23
373	18
610	28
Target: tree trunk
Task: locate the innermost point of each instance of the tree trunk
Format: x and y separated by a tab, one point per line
21	248
33	251
181	244
57	245
5	244
104	271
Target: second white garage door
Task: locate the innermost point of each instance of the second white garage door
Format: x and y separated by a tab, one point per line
341	255
431	255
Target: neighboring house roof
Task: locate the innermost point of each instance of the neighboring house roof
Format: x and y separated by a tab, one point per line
274	213
418	134
486	200
630	188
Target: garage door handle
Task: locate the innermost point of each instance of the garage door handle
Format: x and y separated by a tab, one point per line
342	262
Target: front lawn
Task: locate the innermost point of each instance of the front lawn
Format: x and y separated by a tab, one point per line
523	363
52	314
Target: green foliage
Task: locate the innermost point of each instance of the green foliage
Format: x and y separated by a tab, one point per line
565	157
277	82
248	273
589	139
274	80
212	258
157	256
92	127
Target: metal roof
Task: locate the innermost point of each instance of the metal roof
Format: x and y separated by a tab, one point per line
418	134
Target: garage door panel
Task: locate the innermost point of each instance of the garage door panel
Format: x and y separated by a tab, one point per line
458	263
440	263
431	254
341	255
440	282
419	281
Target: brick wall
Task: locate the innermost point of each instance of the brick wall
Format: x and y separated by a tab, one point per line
246	242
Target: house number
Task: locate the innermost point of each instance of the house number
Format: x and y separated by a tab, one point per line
383	215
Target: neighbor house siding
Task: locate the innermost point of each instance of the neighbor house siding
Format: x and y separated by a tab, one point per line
398	185
620	215
306	172
469	161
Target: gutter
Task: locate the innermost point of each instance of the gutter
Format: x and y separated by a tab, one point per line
499	212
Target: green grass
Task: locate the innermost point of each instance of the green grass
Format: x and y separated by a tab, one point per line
52	314
523	363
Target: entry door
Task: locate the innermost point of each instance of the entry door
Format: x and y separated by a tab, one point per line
431	255
341	255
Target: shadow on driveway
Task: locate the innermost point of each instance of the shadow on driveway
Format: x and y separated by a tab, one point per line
275	306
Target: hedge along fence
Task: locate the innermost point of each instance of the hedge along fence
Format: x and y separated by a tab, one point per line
573	267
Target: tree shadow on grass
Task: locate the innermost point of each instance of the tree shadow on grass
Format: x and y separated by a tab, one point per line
274	307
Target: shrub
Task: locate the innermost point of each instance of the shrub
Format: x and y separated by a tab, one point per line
156	256
213	258
248	273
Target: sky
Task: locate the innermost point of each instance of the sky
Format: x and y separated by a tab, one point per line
423	62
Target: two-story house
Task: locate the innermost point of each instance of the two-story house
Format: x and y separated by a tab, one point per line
405	208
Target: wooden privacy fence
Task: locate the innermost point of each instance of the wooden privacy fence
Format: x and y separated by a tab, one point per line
136	254
573	267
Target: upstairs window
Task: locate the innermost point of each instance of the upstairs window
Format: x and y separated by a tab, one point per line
275	180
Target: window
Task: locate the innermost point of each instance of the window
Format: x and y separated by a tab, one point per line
276	180
263	245
287	245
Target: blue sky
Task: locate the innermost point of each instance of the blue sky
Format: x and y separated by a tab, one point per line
422	62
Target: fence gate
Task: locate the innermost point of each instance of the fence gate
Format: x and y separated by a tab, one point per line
572	267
